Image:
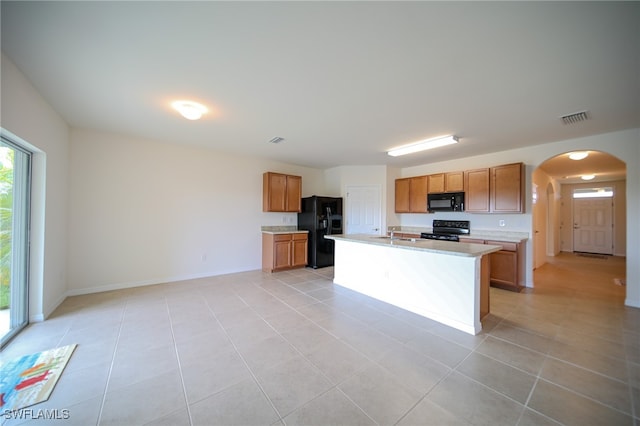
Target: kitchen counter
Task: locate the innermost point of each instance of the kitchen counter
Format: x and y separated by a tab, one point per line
432	246
285	232
445	281
276	230
479	234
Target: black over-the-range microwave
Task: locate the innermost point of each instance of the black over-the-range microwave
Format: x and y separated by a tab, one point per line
446	202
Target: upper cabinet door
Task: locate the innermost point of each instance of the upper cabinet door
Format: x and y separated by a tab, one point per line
507	185
281	193
402	195
435	183
454	182
294	194
418	194
477	195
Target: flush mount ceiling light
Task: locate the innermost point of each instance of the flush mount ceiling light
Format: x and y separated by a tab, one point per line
423	145
189	109
579	155
587	177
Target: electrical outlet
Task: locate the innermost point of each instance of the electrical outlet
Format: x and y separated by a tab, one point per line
203	257
501	222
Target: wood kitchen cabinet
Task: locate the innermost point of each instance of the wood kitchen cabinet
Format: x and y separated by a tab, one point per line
403	199
495	190
435	183
454	182
476	198
445	182
505	266
411	195
507	188
281	193
284	251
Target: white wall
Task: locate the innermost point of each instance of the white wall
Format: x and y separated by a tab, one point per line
31	120
144	212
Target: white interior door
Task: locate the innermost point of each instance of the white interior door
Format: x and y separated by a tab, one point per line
364	210
592	225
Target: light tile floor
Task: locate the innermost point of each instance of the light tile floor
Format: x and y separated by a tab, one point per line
292	348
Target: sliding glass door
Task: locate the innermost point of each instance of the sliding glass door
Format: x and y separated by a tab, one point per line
15	183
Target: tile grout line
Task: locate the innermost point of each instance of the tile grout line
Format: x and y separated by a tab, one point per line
244	361
635	416
175	348
369	359
293	346
334	386
113	360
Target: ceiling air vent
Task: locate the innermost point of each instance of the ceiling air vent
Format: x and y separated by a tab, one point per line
575	117
277	139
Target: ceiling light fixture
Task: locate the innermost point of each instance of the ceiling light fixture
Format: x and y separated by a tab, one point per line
579	155
189	109
587	177
423	145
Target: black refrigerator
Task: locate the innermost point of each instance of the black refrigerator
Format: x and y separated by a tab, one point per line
320	216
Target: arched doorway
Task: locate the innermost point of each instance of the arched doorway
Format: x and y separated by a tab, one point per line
555	183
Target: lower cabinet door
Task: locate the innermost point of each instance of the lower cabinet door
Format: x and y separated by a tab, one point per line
282	252
299	251
504	270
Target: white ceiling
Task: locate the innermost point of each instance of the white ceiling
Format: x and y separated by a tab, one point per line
341	82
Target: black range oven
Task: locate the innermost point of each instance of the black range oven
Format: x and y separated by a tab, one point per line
448	230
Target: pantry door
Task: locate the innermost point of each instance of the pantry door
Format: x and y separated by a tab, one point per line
364	210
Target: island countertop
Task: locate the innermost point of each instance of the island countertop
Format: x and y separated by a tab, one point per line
433	246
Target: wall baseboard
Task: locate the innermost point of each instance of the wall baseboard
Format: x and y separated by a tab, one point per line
134	284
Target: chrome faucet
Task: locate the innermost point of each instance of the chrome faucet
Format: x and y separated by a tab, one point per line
392	231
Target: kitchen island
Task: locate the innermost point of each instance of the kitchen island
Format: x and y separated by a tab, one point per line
441	280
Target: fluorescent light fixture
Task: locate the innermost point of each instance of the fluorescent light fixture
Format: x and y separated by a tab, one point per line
587	177
423	145
579	155
189	109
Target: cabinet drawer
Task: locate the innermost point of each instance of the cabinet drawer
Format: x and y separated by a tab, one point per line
282	237
505	246
299	236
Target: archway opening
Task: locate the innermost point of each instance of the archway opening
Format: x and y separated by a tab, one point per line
563	227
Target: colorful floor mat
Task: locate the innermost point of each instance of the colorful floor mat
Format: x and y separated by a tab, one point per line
30	379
